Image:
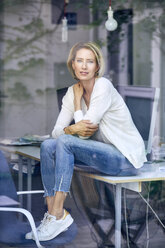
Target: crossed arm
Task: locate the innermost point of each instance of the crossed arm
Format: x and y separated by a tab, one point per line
84	127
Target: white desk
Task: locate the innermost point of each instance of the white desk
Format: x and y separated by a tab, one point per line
132	183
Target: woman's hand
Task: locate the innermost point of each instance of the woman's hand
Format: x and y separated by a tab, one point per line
85	128
78	93
82	128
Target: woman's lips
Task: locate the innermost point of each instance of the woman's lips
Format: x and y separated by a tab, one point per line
83	73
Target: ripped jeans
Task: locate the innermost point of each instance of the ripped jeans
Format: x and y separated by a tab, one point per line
58	157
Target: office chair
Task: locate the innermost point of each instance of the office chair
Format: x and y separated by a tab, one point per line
12	229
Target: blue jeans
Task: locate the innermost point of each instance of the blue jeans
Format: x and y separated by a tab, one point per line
58	157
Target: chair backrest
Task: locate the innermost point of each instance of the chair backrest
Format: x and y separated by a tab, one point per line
60	94
143	105
7	188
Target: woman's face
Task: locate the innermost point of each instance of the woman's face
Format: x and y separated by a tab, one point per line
84	64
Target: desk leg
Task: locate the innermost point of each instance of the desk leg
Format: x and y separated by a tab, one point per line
20	184
29	183
118	216
20	179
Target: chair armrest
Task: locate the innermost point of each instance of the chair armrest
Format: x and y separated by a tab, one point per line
30	219
30	192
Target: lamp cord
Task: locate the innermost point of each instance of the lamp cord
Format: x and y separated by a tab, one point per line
65	5
157	217
153	211
147	216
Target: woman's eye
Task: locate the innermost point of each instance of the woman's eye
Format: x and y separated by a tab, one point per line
90	61
79	60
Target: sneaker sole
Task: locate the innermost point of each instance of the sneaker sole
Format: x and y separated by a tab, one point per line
32	236
63	228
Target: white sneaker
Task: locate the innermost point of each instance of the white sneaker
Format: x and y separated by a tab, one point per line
30	235
52	227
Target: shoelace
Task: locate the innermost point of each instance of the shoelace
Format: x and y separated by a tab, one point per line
46	221
43	222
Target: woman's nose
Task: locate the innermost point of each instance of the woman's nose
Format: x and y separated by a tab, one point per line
84	65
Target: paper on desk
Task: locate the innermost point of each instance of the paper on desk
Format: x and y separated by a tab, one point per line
14	142
25	140
34	138
5	141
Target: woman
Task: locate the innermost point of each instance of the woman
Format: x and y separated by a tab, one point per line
103	137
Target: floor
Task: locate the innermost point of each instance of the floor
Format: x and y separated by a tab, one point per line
87	236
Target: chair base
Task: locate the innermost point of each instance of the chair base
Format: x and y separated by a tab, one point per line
14	235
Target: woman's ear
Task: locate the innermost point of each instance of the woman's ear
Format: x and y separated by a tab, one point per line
97	70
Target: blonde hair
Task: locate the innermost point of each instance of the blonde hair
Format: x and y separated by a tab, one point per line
91	46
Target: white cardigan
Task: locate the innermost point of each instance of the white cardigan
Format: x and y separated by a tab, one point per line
108	109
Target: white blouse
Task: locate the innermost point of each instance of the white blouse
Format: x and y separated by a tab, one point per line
107	109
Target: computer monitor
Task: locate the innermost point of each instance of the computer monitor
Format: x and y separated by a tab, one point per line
143	105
